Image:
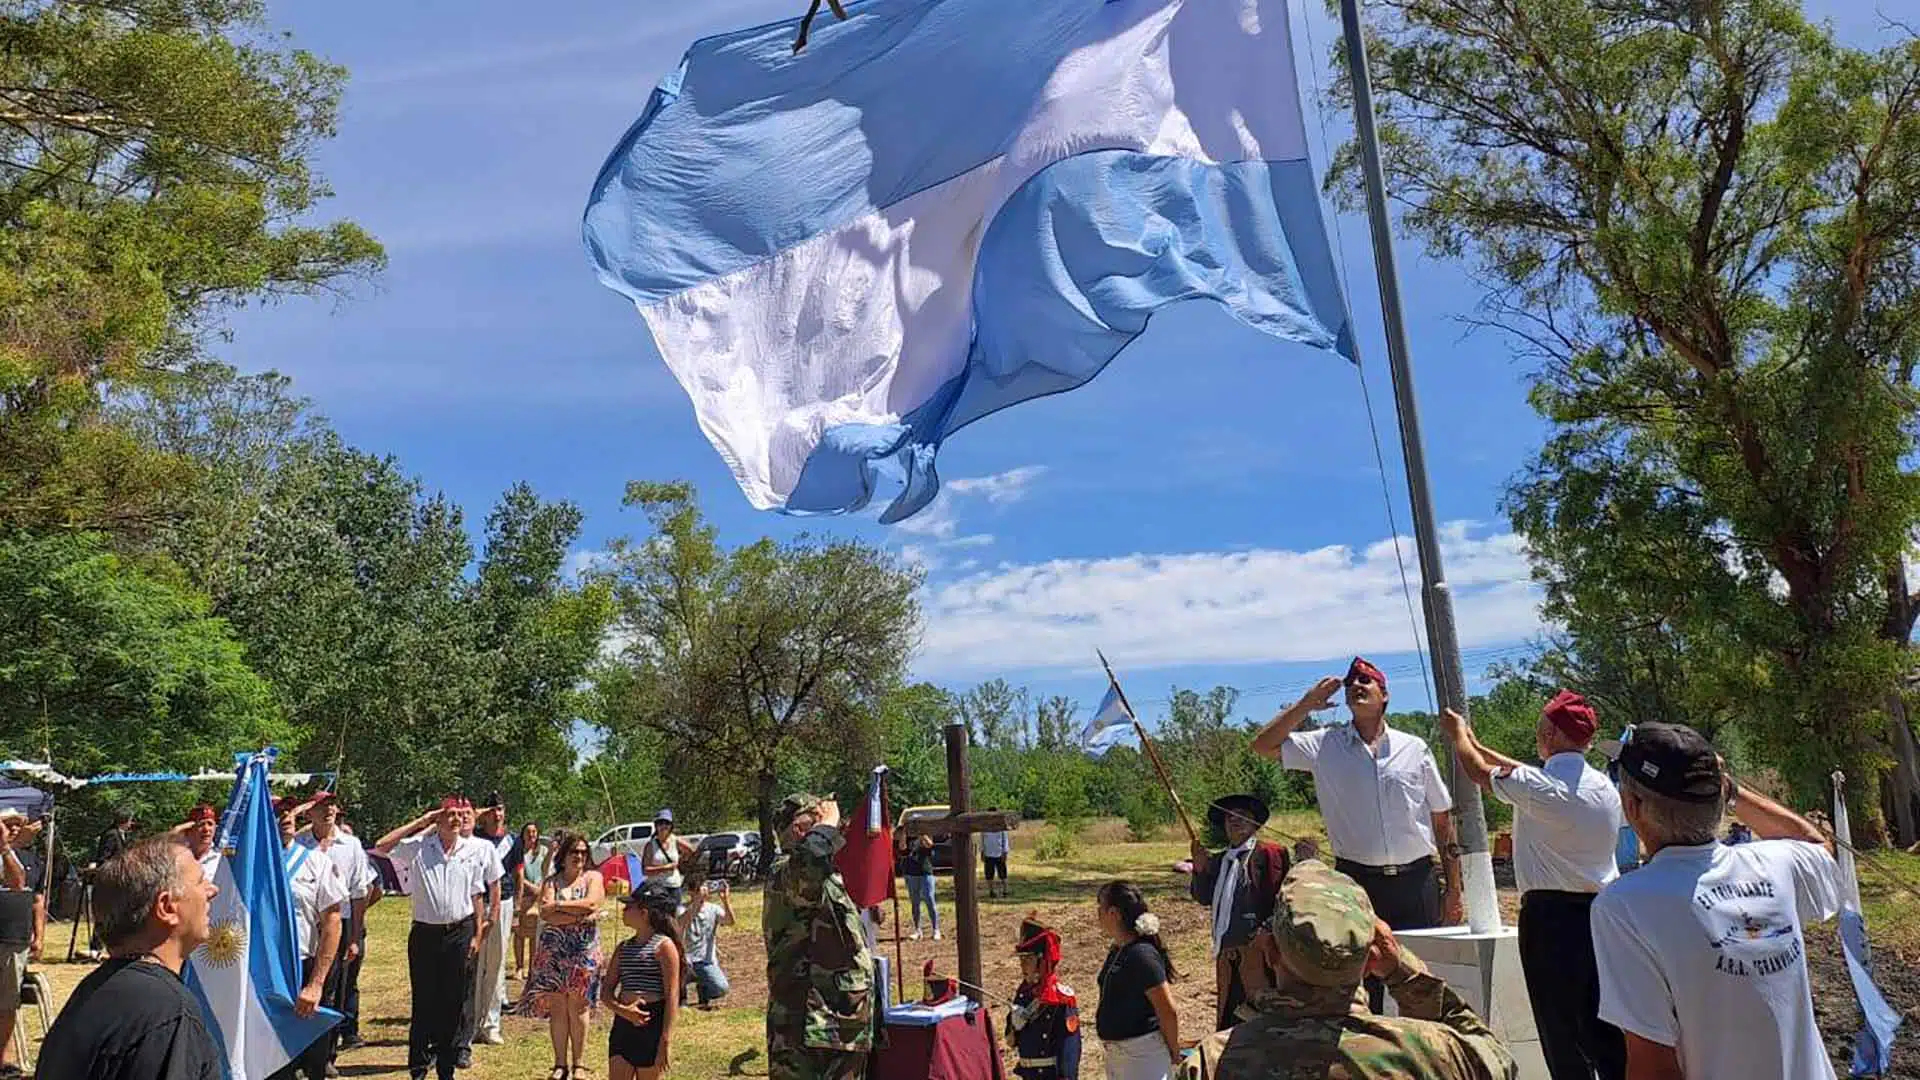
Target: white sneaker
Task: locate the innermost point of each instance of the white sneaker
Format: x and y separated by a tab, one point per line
936	935
492	1038
915	936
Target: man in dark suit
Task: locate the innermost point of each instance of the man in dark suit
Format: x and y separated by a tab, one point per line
1239	886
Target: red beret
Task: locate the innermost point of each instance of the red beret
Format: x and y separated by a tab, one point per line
454	802
203	812
1570	713
1363	666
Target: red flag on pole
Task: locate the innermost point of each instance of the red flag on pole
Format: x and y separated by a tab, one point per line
866	862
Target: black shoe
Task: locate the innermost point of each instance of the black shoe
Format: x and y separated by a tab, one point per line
352	1042
465	1060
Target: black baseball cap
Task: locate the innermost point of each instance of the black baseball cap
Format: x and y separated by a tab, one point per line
1672	760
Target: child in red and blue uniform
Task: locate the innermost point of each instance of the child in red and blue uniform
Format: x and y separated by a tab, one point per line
1044	1024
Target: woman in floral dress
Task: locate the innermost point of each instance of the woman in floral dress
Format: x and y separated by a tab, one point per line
565	980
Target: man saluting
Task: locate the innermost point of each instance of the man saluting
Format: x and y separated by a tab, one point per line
1385	805
820	1008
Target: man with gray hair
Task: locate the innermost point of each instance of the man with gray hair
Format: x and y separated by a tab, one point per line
1701	952
133	1018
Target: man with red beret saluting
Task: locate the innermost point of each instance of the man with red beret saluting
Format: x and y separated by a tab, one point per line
1384	802
1566	819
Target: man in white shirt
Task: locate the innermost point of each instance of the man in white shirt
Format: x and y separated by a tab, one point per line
1702	951
490	974
199	830
318	891
455	882
344	850
994	848
1385	806
1566	819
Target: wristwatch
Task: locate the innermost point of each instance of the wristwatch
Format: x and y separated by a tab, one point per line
1454	851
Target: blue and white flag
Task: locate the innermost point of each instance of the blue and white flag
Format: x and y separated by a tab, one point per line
1873	1043
248	972
1110	725
946	207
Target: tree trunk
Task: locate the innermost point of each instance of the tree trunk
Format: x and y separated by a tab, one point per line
763	806
1903	780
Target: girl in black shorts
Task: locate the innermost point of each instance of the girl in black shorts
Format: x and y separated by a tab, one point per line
644	967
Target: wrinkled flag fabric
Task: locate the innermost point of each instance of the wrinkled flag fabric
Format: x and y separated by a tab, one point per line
1879	1021
945	207
1110	725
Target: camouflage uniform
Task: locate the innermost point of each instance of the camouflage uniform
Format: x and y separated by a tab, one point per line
820	1014
1317	1024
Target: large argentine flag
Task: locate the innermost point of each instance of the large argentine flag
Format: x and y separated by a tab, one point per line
247	975
945	207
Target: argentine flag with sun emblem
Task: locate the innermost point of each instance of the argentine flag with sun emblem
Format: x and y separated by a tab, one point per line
248	972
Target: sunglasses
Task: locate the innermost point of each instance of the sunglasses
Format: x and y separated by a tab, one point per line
580	851
1361	680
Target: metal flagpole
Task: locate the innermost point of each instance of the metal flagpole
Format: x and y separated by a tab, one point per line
1476	860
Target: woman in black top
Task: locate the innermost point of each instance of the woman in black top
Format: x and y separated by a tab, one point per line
1135	1020
916	865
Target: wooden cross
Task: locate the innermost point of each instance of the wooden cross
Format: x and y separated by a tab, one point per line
963	823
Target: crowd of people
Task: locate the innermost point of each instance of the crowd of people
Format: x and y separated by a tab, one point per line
1692	964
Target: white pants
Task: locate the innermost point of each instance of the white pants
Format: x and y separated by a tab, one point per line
490	973
1143	1058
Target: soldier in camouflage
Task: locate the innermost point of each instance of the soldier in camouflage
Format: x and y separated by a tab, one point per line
820	1010
1315	1024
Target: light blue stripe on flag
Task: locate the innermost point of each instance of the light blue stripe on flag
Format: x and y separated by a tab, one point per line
943	208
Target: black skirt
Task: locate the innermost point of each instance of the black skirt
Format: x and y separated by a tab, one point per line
638	1044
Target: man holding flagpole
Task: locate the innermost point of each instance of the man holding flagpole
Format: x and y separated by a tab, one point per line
258	1002
318	891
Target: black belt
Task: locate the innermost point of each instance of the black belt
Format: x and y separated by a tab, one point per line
1357	869
1557	896
444	925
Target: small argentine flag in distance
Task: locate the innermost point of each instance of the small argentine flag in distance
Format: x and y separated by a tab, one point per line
1110	725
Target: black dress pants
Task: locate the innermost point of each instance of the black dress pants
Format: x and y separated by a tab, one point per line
437	968
348	1000
1407	897
1563	985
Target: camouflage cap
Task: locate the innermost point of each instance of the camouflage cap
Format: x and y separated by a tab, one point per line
792	807
1323	925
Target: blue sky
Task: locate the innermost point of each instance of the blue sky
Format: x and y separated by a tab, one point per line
1207	511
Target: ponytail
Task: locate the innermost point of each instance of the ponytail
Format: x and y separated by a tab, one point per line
1126	899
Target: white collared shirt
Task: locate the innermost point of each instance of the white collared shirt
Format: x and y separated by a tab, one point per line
318	888
1566	824
994	845
348	856
445	882
1378	804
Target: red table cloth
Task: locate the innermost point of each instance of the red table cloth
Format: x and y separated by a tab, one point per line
958	1048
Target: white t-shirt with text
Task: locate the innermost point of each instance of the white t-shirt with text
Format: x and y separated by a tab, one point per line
1704	949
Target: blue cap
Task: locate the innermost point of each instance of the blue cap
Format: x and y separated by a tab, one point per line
664	815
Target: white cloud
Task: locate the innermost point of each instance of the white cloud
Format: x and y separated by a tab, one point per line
1000	488
579	562
940	520
1217	607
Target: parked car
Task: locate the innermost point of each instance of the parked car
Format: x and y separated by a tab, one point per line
628	839
942	845
734	856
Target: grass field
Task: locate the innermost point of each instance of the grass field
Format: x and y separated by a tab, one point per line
730	1041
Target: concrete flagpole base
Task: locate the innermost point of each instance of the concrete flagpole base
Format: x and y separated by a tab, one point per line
1484	969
